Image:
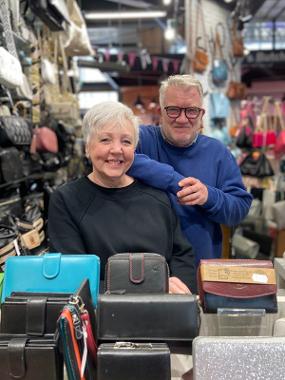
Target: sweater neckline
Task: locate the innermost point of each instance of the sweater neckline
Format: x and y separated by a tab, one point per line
111	190
178	149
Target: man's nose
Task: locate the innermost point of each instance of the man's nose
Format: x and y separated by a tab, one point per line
182	117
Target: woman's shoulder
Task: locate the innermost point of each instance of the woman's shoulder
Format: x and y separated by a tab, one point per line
156	194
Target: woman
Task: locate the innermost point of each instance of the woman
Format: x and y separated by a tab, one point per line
108	211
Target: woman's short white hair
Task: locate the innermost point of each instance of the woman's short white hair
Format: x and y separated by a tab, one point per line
105	113
180	80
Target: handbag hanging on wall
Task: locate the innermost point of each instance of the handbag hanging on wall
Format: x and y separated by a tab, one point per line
256	164
201	58
220	67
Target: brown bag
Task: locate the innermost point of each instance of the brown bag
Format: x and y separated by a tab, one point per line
236	90
201	56
237	42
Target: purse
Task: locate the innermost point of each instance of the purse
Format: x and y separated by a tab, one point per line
129	361
142	317
201	57
244	247
14	130
11	74
11	166
220	68
136	273
238	284
25	359
44	140
256	164
52	13
51	273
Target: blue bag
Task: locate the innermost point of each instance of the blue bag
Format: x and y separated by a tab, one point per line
51	273
219	106
219	72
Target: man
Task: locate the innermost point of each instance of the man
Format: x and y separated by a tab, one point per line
205	186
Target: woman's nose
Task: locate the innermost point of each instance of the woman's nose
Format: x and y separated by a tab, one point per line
116	147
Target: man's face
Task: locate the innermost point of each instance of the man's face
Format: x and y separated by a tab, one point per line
181	131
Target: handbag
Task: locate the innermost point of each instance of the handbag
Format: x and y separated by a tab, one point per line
11	74
244	247
220	68
75	39
8	244
201	57
237	41
137	273
129	361
44	140
220	105
142	317
238	284
245	135
256	164
51	273
52	13
14	130
25	359
11	165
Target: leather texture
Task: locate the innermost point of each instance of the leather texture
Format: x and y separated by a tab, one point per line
214	295
25	359
51	272
14	130
143	317
11	168
129	361
137	273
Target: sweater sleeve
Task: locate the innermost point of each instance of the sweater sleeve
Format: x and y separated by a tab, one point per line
182	262
228	202
64	236
156	174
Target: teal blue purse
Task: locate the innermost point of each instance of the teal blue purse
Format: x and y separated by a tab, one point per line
51	273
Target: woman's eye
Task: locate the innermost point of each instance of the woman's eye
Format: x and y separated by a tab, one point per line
127	142
104	139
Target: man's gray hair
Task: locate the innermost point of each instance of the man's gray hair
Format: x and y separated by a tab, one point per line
106	113
184	81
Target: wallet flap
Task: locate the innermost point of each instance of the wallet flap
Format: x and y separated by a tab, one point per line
51	265
36	316
16	355
238	290
136	262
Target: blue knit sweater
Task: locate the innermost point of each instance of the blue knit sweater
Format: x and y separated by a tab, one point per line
213	164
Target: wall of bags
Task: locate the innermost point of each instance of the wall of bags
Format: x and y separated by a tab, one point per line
40	126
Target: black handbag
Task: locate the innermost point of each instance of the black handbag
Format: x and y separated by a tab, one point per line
147	317
8	243
10	165
256	164
52	13
137	273
29	359
129	361
14	130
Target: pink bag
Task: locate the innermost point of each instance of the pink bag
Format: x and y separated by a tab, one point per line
44	140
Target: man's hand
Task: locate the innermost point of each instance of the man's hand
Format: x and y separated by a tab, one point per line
193	192
176	286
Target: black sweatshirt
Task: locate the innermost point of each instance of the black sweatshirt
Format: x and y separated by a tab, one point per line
87	218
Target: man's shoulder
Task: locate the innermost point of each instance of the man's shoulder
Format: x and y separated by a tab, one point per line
212	143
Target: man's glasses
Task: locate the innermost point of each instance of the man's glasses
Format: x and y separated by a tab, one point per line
190	112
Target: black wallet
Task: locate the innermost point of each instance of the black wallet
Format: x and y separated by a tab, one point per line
129	361
36	314
137	273
147	317
29	359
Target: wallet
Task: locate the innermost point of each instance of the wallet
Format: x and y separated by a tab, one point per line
137	273
147	317
36	314
51	272
238	284
129	361
26	359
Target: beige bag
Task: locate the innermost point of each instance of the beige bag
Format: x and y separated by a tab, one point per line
76	40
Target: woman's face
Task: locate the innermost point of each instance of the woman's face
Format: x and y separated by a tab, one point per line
111	151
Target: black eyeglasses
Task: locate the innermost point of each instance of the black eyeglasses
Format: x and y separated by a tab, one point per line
190	112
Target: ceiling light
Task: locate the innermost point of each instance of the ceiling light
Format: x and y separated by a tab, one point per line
167	2
170	30
123	15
